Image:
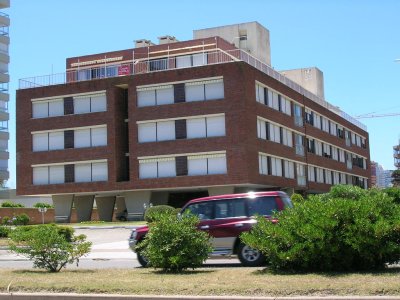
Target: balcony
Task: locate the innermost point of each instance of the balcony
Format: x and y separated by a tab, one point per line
145	65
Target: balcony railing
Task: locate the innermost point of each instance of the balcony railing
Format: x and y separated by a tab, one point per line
140	66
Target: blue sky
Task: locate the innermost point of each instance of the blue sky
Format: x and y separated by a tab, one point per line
355	43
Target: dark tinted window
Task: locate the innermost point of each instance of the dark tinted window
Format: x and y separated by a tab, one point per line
229	208
262	205
203	210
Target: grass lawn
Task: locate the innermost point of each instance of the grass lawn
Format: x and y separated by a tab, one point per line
205	281
3	242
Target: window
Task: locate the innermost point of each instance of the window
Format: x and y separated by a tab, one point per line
309	116
318	148
185	61
165	130
90	103
261	129
328	176
230	208
298	118
211	90
319	175
301	174
299	144
205	127
333	128
147	132
207	164
263	164
157	168
276	166
196	128
317	121
274	133
158	64
56	140
287	137
160	95
40	142
50	108
204	210
325	124
273	99
265	206
78	172
289	169
311	173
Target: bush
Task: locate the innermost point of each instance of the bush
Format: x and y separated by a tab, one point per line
393	192
6	221
330	233
42	205
153	212
66	231
4	231
297	199
175	244
48	247
11	204
22	219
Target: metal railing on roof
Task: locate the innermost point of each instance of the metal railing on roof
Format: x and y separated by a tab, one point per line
148	65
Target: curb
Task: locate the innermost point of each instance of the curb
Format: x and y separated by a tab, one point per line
52	296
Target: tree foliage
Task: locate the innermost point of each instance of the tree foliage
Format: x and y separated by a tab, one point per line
48	247
346	229
175	244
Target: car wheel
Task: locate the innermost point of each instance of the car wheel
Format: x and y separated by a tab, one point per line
250	257
143	261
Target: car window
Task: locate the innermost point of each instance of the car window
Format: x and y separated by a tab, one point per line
203	210
229	208
287	202
264	205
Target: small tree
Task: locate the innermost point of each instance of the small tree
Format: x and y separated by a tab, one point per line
153	212
175	244
48	248
297	199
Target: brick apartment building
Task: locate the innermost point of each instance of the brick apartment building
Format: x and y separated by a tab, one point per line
165	123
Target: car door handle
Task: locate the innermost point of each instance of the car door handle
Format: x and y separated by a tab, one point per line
239	225
205	227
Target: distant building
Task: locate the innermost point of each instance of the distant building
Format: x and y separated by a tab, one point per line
379	177
396	155
4	96
165	123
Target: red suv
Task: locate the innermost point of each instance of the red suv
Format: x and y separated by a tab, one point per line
225	217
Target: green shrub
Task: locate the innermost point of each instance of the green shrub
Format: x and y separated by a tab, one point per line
66	231
297	199
4	231
343	191
393	192
47	247
175	244
42	205
22	219
11	204
153	212
332	233
6	220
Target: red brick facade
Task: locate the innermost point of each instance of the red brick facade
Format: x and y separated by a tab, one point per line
241	143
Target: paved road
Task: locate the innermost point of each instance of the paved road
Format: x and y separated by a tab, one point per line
110	249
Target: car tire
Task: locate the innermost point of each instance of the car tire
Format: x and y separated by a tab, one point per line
143	261
250	257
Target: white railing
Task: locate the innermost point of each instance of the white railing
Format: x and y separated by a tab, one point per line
140	66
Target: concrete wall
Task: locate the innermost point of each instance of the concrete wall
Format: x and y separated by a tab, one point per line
312	79
257	43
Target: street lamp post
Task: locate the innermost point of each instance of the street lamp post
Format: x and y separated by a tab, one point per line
42	210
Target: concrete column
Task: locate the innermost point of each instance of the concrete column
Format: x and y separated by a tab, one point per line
159	198
220	190
84	207
105	208
120	204
135	202
62	208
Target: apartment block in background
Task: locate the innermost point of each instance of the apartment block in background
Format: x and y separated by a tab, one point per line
4	96
166	123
